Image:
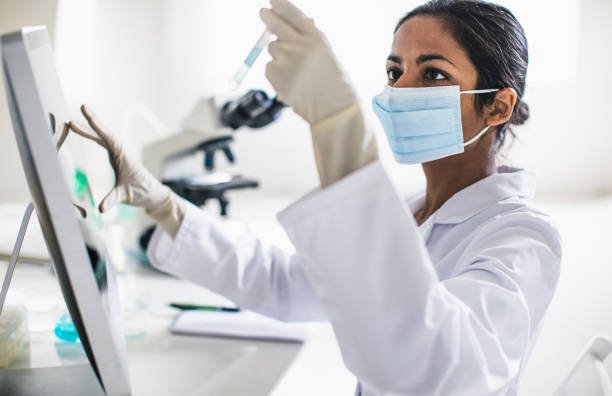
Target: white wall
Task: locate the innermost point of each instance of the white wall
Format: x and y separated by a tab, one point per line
107	54
117	55
568	140
205	42
203	49
13	15
164	54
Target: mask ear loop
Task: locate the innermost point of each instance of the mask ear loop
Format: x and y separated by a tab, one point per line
479	91
478	136
486	128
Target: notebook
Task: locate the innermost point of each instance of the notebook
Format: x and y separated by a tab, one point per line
243	324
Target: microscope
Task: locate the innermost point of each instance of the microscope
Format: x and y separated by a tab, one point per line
206	132
187	161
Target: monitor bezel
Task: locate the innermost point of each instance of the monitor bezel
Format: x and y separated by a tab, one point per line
104	346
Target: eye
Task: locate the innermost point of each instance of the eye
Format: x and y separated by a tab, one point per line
435	75
393	74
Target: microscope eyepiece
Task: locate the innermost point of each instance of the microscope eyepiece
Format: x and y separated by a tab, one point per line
254	109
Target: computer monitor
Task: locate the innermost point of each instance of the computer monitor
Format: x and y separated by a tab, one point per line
83	269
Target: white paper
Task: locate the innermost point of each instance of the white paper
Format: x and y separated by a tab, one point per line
243	324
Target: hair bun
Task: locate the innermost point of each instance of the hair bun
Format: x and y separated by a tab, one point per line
520	114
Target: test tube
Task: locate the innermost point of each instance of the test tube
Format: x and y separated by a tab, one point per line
261	43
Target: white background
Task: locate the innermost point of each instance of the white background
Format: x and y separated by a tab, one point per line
122	56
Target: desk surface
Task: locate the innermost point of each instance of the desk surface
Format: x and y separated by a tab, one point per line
162	363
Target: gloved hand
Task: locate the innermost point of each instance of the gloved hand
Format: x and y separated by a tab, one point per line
306	76
304	71
134	185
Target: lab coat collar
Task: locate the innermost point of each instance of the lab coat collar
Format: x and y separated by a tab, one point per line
507	182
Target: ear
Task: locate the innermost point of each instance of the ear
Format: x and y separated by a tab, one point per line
502	107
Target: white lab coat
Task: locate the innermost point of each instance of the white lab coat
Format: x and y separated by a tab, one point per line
452	307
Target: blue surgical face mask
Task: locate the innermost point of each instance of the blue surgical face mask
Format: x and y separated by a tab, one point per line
423	124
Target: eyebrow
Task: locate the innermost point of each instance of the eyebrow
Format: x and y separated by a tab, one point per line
394	59
420	59
429	57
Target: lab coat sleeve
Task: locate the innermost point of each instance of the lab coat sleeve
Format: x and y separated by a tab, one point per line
400	329
241	267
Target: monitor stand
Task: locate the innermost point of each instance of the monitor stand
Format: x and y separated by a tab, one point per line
75	380
15	255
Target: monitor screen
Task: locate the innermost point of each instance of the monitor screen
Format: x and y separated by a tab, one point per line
75	176
71	223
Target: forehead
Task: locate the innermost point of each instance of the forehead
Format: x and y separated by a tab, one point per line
426	35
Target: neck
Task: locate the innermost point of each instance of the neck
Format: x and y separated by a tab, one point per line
447	176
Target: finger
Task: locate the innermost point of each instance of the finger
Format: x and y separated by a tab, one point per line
82	212
52	121
273	71
280	49
275	49
292	14
115	196
277	25
93	123
80	130
63	136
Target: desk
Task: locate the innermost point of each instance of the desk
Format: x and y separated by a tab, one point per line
165	364
161	363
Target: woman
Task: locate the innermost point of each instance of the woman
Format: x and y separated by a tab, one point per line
443	294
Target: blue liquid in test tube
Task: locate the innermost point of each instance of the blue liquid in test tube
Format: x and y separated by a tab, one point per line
261	43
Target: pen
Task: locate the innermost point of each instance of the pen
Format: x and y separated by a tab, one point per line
193	307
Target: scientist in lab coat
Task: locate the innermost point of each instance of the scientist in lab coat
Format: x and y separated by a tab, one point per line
440	294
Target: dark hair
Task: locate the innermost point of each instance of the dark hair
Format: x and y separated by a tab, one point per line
495	43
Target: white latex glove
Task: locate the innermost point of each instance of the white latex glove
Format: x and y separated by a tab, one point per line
134	185
307	77
304	71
